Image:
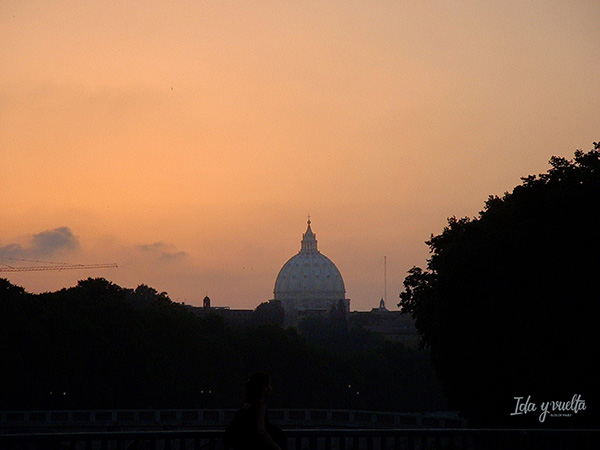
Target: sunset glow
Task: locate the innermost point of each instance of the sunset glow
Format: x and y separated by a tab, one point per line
188	141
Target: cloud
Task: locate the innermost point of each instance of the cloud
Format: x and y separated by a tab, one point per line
162	251
52	241
43	244
13	251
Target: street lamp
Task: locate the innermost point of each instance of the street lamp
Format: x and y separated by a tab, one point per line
349	396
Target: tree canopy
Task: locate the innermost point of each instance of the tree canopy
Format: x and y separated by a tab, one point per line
98	345
508	302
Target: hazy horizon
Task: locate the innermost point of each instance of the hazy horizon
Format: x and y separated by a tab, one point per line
188	142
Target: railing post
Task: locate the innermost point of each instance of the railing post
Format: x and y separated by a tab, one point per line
438	441
411	442
342	442
383	441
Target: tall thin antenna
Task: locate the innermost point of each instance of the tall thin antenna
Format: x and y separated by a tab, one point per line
385	278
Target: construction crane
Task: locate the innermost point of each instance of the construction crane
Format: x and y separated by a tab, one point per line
47	265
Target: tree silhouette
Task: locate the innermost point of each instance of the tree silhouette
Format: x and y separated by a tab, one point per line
98	345
268	313
508	302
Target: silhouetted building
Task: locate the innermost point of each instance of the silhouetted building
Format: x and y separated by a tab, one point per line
392	325
309	282
232	316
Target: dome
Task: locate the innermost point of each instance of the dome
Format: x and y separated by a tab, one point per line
309	277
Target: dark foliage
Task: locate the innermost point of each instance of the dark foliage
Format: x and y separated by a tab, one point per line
98	345
268	313
365	371
509	300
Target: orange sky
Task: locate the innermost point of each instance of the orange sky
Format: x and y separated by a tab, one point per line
187	141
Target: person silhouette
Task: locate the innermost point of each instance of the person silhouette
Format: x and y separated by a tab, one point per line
250	428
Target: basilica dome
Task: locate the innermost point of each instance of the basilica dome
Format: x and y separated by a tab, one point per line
309	281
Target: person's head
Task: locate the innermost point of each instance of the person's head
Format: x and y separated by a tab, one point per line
258	386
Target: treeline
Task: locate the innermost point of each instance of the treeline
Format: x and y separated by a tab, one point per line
98	345
508	302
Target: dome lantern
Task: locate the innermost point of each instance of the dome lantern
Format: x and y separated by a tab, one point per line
309	240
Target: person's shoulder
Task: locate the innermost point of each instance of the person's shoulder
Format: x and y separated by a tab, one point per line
256	408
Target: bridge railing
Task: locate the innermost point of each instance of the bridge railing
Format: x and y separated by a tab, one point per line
338	439
134	420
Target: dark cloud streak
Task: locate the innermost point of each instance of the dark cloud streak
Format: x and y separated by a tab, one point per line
44	244
51	241
162	251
